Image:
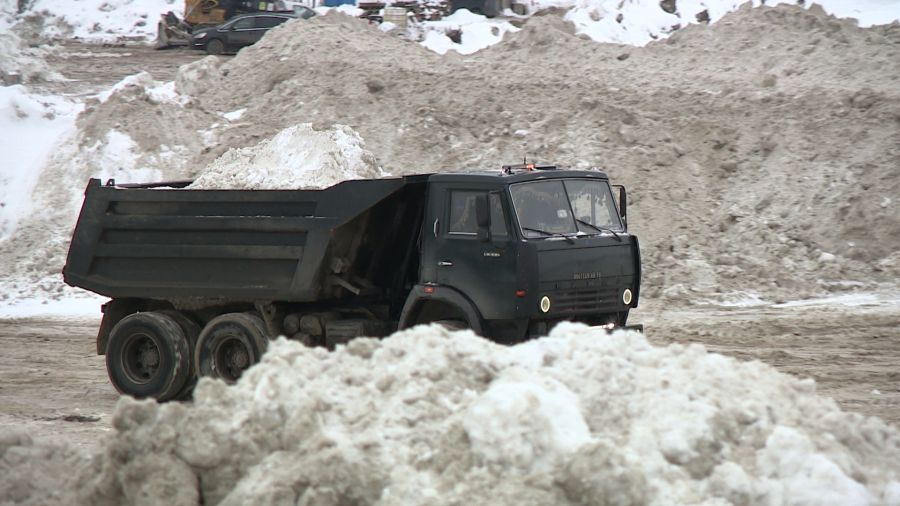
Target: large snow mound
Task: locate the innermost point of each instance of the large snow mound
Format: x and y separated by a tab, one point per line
432	417
298	157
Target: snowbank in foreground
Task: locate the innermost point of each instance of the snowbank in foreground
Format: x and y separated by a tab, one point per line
298	157
431	417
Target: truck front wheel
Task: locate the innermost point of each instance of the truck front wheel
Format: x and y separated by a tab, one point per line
229	345
148	355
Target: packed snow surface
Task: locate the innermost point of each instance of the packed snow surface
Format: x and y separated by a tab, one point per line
298	157
432	417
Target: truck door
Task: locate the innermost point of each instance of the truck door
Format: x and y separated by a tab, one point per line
484	271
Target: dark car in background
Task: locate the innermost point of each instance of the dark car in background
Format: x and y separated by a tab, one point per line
243	30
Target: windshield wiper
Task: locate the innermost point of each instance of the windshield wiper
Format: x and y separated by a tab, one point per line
550	234
600	229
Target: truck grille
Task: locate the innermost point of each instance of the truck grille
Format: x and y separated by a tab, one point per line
582	300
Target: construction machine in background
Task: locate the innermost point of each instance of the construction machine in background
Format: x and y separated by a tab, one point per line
174	31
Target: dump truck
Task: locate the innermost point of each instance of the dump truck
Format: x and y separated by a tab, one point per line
201	280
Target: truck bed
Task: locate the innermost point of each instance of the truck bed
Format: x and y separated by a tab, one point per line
231	244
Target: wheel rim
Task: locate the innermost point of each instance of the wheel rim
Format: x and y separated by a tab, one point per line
140	358
215	47
231	358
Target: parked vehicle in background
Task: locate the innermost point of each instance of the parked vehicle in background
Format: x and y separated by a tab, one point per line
242	31
198	14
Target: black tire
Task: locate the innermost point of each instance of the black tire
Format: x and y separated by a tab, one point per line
215	47
192	332
148	356
229	345
453	325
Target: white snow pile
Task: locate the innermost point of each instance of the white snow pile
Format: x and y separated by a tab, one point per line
631	22
18	63
476	32
143	83
433	417
298	157
99	20
638	22
32	127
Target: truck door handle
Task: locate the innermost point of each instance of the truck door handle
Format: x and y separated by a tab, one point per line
445	263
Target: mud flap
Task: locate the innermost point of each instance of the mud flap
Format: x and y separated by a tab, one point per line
612	328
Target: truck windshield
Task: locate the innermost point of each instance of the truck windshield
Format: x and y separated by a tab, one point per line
565	207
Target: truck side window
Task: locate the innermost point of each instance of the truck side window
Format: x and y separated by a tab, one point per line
462	214
498	217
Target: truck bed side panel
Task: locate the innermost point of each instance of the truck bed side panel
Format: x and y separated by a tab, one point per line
231	244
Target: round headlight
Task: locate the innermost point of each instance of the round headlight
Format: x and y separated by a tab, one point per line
626	296
545	304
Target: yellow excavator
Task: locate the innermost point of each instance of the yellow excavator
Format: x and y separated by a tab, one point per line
174	31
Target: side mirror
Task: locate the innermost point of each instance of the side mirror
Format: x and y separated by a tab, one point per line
483	217
623	203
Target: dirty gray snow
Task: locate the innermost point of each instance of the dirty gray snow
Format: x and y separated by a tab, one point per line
431	417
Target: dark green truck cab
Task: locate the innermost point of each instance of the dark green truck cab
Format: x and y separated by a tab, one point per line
200	280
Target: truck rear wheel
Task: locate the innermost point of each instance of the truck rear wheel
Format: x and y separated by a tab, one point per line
192	333
229	345
148	355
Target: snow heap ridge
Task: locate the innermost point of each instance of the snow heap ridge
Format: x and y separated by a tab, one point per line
427	416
